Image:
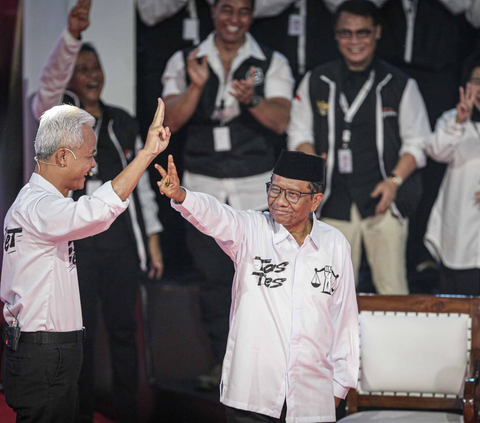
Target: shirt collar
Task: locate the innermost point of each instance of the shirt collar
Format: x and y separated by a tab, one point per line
250	48
39	180
281	233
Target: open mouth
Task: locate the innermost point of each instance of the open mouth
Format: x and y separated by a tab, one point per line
231	29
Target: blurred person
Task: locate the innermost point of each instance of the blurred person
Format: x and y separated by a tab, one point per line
231	98
369	120
110	265
453	229
43	332
293	345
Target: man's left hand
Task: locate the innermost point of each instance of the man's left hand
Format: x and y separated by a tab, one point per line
156	257
244	89
387	190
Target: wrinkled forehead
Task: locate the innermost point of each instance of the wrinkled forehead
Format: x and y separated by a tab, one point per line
287	183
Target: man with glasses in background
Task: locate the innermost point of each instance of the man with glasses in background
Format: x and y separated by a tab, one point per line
369	120
292	349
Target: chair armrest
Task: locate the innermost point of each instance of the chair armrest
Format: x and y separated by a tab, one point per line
470	406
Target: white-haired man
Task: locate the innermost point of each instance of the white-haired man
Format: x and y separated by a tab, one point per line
43	331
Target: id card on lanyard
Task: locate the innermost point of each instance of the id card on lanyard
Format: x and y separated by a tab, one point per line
345	159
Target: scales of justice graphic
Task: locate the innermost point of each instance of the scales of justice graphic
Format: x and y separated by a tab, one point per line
329	282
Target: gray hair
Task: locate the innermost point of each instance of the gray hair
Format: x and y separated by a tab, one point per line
61	126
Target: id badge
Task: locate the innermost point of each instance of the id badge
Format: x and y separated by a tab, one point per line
92	185
221	138
190	29
295	25
345	162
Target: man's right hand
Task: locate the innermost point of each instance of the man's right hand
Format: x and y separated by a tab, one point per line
78	18
197	72
170	183
465	105
158	137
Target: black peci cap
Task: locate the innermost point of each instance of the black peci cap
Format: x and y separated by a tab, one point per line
301	166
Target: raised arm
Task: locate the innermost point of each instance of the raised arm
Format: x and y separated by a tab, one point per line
181	100
58	69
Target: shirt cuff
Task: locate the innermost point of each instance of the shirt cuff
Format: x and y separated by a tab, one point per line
70	40
107	194
339	391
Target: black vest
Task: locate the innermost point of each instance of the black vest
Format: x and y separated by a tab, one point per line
409	194
252	144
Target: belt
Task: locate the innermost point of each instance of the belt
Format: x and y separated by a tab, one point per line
72	337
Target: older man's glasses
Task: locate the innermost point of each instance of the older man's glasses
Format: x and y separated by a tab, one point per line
361	34
292	196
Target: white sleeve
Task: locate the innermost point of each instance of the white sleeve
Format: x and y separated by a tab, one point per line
269	8
220	221
413	123
456	6
343	310
154	11
441	145
59	219
279	80
147	199
56	74
300	127
174	77
473	13
332	5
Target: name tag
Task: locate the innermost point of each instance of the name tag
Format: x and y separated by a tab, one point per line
221	138
191	29
295	25
345	162
92	185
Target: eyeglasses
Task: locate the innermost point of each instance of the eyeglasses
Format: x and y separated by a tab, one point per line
291	195
361	34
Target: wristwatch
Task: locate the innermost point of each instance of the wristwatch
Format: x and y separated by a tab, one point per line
254	101
397	180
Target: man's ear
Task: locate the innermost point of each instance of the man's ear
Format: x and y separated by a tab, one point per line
317	199
378	32
61	157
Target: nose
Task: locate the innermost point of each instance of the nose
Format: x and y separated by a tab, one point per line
234	17
281	200
94	163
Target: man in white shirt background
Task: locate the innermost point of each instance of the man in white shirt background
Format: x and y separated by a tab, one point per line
39	284
293	344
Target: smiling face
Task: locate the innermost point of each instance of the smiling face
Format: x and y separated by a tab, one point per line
293	217
77	169
358	50
232	20
87	79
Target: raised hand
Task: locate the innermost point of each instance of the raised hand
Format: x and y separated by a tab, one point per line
465	105
170	184
198	72
78	17
158	137
244	89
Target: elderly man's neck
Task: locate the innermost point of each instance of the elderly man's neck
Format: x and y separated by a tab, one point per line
300	232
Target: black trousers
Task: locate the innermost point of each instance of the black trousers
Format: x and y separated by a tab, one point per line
216	272
110	277
234	415
40	381
459	282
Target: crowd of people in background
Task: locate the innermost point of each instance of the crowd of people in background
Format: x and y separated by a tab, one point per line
360	83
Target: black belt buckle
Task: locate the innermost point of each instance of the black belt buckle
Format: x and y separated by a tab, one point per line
12	337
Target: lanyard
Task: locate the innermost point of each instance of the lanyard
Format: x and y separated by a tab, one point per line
351	111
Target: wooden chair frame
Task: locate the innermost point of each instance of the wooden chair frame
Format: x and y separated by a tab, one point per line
426	304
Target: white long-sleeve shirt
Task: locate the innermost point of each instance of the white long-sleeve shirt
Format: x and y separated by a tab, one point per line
453	232
39	282
293	320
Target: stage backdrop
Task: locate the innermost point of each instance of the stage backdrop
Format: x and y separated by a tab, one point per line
112	31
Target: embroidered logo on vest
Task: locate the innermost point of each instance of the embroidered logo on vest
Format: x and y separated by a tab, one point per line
322	107
258	77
